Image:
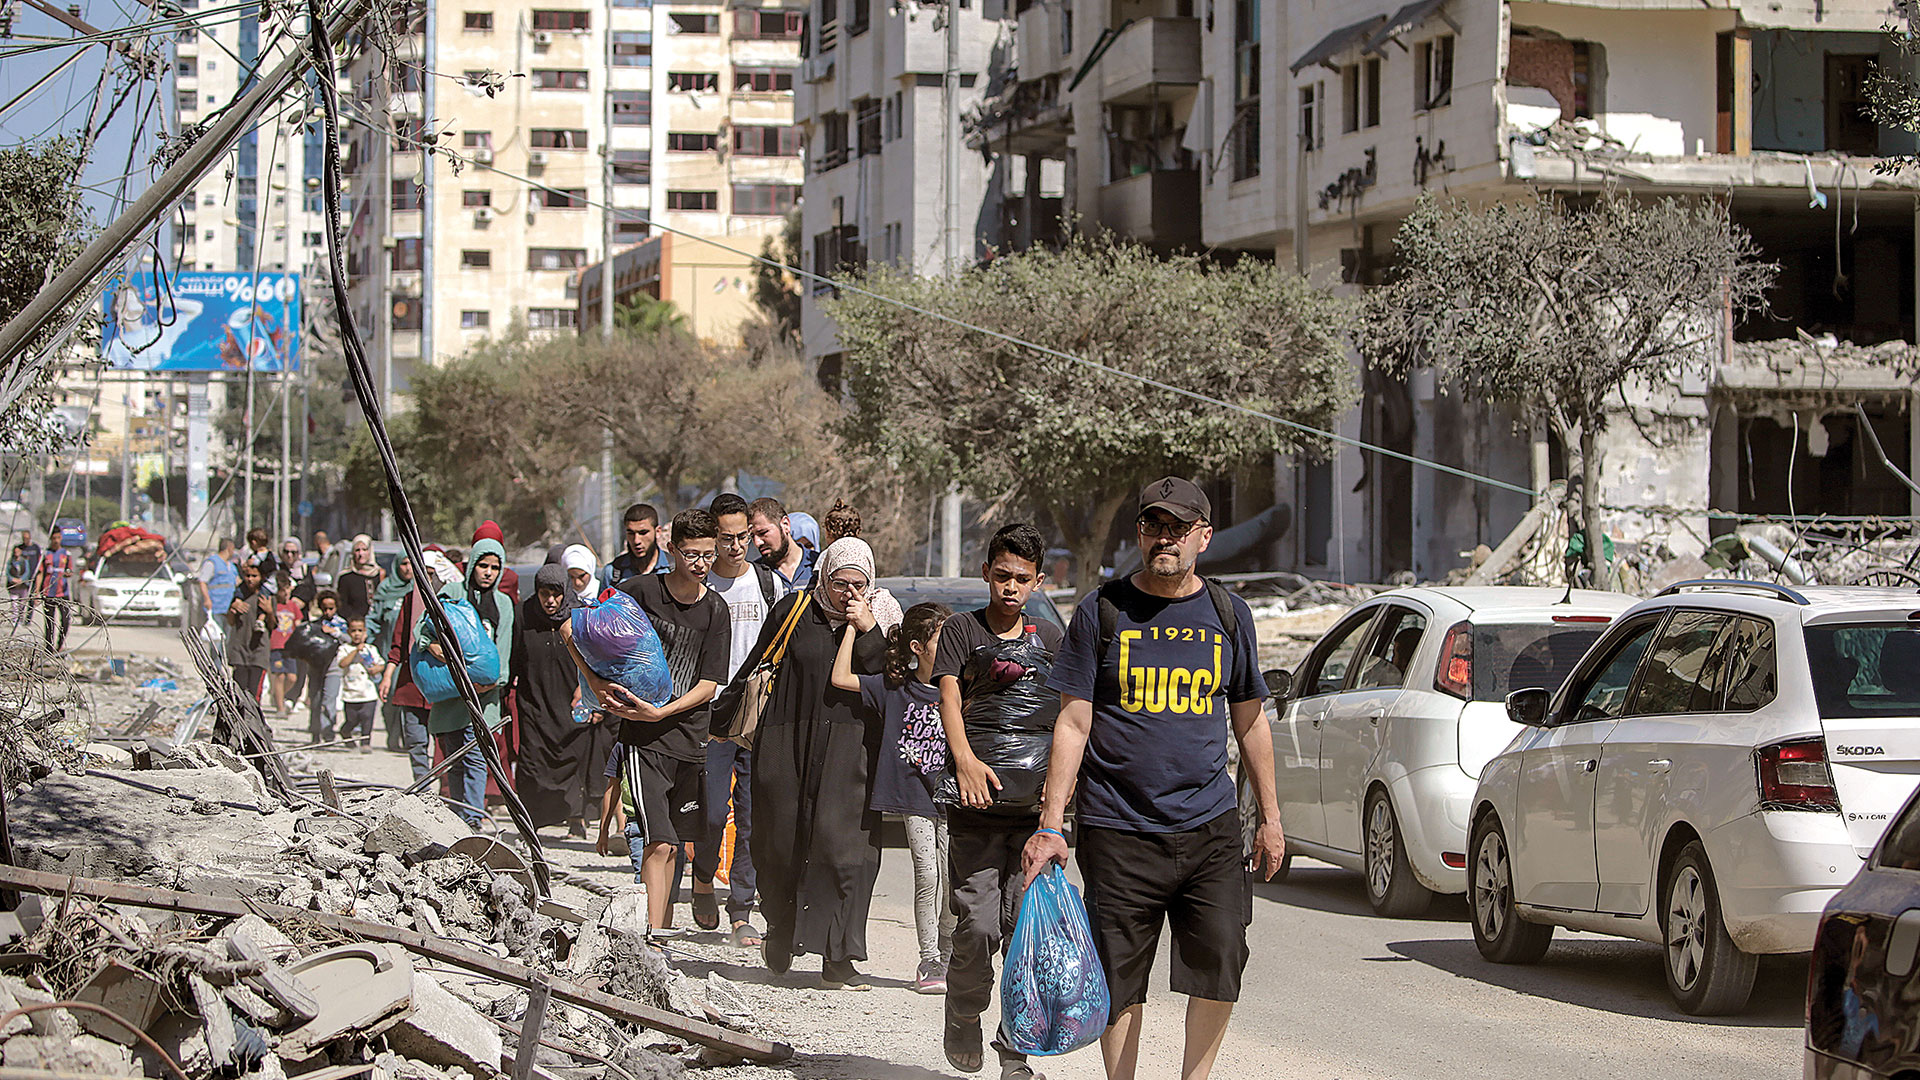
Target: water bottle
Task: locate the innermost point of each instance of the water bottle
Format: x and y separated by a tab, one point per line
582	714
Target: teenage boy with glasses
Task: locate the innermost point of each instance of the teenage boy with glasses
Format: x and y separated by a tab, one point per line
663	748
1155	669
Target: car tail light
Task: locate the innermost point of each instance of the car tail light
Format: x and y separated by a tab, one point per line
1455	859
1794	776
1456	661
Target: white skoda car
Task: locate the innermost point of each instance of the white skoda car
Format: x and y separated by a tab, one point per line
1381	734
1714	770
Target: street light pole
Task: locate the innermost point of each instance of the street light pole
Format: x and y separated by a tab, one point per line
607	527
950	246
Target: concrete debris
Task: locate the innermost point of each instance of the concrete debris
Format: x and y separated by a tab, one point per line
441	1029
411	827
75	1054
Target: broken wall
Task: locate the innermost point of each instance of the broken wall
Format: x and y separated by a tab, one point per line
1791	74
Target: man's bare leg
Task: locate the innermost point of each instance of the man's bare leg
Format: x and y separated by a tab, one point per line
1206	1030
1120	1045
656	872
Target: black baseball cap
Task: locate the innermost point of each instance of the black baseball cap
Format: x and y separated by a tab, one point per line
1180	497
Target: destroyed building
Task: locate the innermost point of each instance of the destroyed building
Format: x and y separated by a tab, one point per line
1306	132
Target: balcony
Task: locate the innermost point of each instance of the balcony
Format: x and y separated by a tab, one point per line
1030	118
1160	209
1150	57
406	344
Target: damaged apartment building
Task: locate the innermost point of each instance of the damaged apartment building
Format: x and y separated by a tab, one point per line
1307	131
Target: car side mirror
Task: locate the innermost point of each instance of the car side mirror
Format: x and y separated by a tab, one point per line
1529	706
1279	682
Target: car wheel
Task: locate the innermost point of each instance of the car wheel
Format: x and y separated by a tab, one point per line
1498	930
1707	973
1391	887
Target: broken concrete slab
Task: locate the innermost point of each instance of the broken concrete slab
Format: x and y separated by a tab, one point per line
130	993
359	988
412	827
83	1054
441	1029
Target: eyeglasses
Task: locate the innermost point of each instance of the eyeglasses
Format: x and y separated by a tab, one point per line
1178	530
845	586
696	556
736	539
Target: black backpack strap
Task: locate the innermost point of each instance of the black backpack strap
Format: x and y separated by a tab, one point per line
767	588
1109	613
1223	607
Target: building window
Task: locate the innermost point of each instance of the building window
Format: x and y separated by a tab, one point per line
859	17
1351	99
1313	120
867	126
552	318
693	22
762	80
561	198
558	79
828	21
560	20
556	258
692	142
476	260
471	198
765	199
407	195
766	141
476	140
479	21
632	108
693	80
1370	84
768	25
407	312
833	139
475	320
633	3
186	101
559	138
693	200
406	254
632	166
1245	132
1434	81
313	239
837	251
632	48
630	225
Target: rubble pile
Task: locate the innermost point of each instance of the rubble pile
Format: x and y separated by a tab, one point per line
184	922
44	712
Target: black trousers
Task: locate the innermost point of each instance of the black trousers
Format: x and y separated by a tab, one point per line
61	611
983	860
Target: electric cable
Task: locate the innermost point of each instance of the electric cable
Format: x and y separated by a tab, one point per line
1108	369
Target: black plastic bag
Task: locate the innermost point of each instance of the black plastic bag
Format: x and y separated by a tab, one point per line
1009	715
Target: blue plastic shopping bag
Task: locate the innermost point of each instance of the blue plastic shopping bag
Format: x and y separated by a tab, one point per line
477	649
1053	994
619	643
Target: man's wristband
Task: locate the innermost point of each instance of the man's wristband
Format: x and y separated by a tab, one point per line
1050	832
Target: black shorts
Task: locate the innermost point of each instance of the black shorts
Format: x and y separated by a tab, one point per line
667	796
1197	881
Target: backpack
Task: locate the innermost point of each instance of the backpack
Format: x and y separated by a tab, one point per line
768	590
1110	616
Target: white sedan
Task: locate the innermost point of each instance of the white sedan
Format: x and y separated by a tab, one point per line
1712	773
124	592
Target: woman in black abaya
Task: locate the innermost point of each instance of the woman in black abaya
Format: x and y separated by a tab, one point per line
558	774
816	846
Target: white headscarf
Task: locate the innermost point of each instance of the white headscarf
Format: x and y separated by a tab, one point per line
853	552
580	557
442	569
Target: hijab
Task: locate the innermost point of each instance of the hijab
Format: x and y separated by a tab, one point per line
445	576
354	545
580	557
487	601
551	576
296	567
804	527
851	551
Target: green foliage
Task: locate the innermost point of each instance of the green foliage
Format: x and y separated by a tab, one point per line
43	223
1006	422
642	314
776	292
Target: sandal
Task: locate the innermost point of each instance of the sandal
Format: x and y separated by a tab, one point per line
706	910
962	1043
746	937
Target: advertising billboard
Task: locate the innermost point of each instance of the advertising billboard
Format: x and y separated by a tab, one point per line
202	321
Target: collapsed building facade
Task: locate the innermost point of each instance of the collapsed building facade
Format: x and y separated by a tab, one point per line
1307	132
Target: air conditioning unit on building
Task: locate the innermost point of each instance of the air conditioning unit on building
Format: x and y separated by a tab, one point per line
483	155
536	157
483	215
543	37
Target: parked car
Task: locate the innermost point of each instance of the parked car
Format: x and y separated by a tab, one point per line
1863	984
1380	735
962	594
1713	772
125	591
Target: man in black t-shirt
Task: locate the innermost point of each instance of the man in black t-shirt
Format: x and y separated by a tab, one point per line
664	747
1154	670
991	670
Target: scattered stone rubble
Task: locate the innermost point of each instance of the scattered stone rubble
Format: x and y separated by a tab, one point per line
124	989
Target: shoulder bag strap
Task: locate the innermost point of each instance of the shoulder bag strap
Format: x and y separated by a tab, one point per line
779	650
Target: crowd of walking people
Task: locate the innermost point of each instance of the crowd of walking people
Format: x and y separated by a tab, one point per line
951	721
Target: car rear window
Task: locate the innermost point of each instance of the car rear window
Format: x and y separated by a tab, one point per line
1865	669
1515	656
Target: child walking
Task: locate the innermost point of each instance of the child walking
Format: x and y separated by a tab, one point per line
360	665
912	747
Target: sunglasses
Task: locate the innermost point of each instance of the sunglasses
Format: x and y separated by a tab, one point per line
1178	530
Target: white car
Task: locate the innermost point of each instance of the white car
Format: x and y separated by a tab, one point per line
123	592
1710	775
1382	732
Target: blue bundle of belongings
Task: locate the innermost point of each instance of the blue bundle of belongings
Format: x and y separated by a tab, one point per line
477	652
618	642
1053	994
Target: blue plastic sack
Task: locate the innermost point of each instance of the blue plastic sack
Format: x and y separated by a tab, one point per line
1053	993
482	656
618	642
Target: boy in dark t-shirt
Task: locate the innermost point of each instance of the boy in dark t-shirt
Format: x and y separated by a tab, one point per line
991	668
663	747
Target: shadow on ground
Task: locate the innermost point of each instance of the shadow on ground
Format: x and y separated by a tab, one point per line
1342	892
1617	976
